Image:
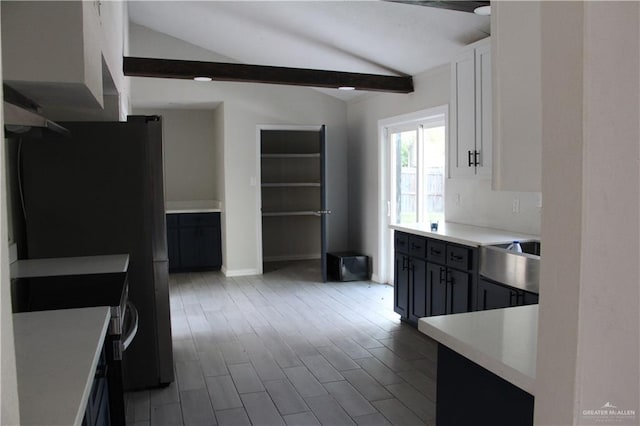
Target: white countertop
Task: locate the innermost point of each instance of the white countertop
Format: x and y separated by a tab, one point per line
465	234
57	354
195	206
85	265
504	341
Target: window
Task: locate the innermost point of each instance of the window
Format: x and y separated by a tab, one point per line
412	170
417	170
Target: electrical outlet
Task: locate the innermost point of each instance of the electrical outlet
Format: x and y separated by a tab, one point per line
515	206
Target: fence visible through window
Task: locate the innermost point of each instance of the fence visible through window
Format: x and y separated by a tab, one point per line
418	171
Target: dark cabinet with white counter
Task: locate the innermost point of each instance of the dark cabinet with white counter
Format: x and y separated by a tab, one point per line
450	278
194	241
432	277
492	295
62	367
402	268
435	276
410	273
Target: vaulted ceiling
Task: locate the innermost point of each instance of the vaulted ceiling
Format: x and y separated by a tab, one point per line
374	37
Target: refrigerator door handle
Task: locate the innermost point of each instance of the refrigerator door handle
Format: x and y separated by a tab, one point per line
129	334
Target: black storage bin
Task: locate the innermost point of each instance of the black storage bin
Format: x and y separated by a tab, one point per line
348	266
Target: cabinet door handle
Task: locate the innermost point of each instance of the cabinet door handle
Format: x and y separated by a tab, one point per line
101	371
511	294
475	158
405	263
455	257
484	299
441	271
470	156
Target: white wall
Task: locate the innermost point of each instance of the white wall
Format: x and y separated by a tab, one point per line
189	153
9	404
114	25
588	343
479	205
218	153
482	206
245	107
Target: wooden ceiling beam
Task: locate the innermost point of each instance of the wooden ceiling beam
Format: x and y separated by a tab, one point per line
220	71
460	6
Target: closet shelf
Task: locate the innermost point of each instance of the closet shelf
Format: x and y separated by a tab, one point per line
290	184
315	155
290	213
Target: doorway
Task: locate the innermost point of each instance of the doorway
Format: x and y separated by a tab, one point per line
413	171
292	195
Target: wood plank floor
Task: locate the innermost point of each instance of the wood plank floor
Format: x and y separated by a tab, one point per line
286	349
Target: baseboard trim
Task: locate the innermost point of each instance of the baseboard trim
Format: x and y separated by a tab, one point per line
374	278
294	257
239	272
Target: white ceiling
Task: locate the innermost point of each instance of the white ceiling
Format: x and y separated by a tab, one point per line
357	36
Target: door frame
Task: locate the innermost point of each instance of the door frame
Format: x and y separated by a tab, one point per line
385	246
258	168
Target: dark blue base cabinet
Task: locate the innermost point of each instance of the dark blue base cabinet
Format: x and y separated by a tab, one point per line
493	295
97	411
468	394
433	277
194	241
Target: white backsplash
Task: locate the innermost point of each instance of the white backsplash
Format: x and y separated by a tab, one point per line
473	202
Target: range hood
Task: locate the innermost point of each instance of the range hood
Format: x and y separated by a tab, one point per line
21	117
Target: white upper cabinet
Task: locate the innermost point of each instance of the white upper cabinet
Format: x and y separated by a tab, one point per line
484	107
517	95
470	112
52	52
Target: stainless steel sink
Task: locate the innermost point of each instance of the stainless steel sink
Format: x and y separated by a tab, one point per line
520	270
528	247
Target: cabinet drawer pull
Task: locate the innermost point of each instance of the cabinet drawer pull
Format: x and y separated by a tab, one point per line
405	263
470	155
456	257
415	246
435	252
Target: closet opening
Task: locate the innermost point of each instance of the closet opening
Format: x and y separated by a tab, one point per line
293	196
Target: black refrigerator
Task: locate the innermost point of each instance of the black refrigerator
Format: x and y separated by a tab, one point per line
101	191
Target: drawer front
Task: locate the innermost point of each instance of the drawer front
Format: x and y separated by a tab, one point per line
436	251
401	242
172	221
459	257
417	246
200	219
